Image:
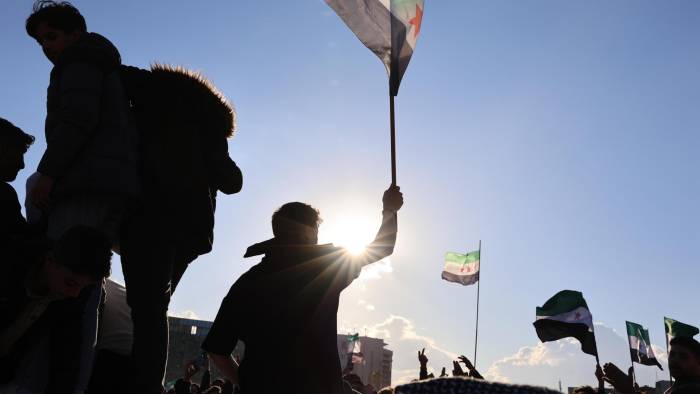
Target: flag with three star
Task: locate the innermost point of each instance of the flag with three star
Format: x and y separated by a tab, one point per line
462	268
389	28
640	345
564	315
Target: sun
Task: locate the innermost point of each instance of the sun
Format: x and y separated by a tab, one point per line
351	232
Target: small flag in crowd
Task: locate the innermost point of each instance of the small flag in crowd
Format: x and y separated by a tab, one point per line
354	348
566	315
462	268
640	345
389	28
674	328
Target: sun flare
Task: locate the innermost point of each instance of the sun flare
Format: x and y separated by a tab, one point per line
351	232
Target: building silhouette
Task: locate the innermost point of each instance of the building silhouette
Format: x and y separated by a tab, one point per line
187	335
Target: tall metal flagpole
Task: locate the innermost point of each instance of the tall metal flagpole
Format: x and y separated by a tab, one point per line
476	332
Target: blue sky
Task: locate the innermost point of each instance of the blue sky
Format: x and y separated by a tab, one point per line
562	134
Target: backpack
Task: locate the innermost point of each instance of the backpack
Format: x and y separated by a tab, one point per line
181	116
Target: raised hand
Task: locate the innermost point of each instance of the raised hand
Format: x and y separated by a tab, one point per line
618	379
443	373
599	374
457	369
466	362
422	358
392	199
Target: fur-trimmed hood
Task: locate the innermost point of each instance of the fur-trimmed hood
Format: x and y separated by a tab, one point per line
196	94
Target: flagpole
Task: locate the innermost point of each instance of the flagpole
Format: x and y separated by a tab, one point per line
597	359
393	138
476	332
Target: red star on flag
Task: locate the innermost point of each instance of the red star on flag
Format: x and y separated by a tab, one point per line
416	21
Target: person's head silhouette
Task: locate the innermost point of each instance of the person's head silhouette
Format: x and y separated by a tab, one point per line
296	223
55	26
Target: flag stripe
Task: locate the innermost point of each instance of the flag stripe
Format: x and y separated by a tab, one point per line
579	315
463	279
370	20
562	302
552	330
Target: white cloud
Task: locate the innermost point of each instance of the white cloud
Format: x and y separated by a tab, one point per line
366	304
188	314
376	270
405	341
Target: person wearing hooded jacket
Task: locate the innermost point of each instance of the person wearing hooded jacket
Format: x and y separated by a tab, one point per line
88	174
89	170
185	123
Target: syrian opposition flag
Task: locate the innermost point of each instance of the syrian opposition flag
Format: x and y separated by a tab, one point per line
674	328
354	348
461	268
640	345
566	315
389	28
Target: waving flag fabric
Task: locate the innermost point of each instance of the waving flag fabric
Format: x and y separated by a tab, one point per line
564	315
389	28
640	345
462	268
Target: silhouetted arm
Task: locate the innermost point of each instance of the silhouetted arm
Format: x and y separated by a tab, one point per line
423	360
473	373
80	89
384	241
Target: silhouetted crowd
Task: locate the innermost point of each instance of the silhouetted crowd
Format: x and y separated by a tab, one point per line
133	164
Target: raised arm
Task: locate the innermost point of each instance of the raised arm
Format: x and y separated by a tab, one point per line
384	241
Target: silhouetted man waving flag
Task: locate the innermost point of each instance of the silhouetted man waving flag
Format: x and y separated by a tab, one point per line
289	301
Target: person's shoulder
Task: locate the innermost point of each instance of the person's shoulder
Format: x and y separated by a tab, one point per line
92	49
328	249
7	191
8	197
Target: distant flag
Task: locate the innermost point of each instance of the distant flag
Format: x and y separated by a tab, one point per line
640	345
674	328
354	348
389	28
565	315
462	268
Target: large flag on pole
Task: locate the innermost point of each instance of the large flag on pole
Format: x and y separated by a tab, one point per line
566	315
674	328
640	345
389	28
462	268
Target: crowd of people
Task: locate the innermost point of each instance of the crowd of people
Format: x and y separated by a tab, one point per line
133	164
